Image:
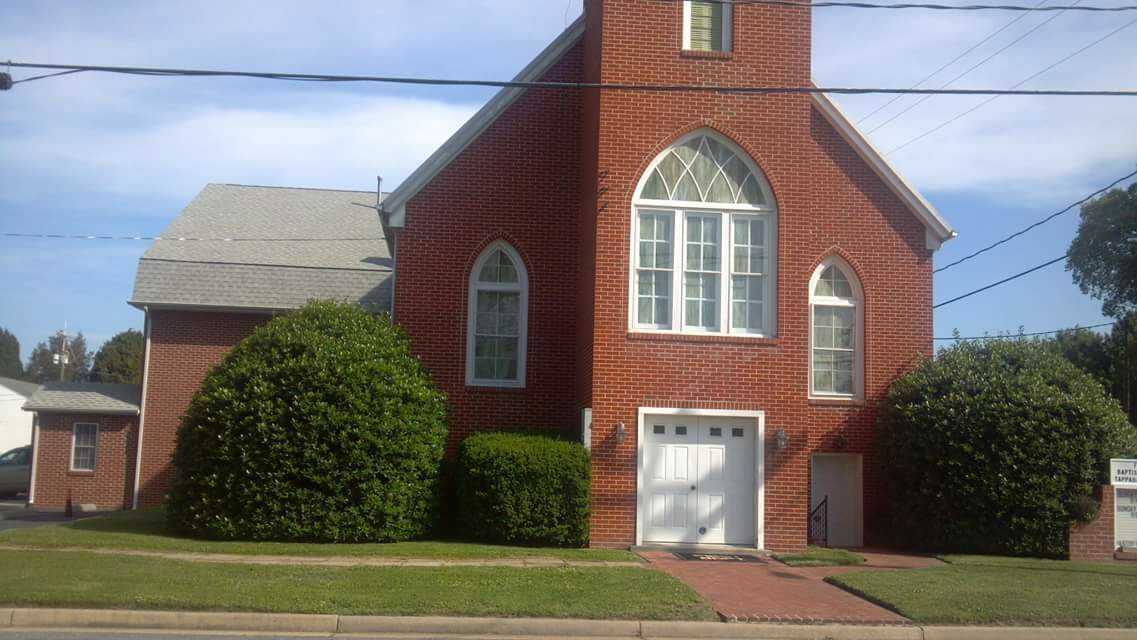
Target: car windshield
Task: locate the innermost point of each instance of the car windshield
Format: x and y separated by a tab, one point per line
10	457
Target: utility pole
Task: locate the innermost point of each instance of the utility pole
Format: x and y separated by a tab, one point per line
62	358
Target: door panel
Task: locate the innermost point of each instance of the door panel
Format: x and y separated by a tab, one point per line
699	480
838	477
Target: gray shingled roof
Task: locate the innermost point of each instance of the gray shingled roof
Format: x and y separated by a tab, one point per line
324	244
86	397
21	387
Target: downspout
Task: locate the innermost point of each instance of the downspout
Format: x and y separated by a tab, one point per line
142	408
35	455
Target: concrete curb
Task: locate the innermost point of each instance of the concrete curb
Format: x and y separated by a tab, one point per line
442	627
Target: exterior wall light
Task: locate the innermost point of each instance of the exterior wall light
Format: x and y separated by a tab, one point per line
621	433
781	439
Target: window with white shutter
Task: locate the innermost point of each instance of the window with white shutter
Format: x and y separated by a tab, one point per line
706	25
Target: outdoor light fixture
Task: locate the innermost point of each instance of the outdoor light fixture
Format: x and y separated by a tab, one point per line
621	433
781	439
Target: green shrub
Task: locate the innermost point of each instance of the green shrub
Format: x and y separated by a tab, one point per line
1083	509
320	426
523	489
985	448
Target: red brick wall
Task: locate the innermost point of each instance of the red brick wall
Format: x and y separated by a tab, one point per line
108	486
828	201
518	181
1093	541
184	346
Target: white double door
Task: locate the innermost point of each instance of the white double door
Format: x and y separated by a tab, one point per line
699	480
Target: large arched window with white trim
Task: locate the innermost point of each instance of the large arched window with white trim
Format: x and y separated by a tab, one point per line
704	236
836	331
497	318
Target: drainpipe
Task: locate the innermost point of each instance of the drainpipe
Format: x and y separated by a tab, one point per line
142	408
35	454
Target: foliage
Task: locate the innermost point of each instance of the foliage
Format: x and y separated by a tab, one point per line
983	449
523	489
10	366
42	368
1110	358
1103	256
1084	508
120	359
321	426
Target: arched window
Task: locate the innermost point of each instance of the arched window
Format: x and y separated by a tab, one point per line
497	318
836	331
700	200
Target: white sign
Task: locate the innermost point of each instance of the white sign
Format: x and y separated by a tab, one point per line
1125	518
1123	473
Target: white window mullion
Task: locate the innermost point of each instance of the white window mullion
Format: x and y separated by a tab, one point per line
678	290
726	279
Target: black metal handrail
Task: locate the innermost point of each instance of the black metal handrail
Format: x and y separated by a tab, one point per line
819	524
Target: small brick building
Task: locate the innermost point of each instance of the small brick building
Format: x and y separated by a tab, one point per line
713	288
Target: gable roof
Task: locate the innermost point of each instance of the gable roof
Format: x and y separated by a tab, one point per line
938	229
20	387
322	243
98	398
395	204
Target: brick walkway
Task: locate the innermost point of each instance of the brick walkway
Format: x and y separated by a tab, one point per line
772	592
339	561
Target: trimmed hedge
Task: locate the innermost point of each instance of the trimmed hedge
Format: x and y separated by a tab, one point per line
989	448
523	489
321	426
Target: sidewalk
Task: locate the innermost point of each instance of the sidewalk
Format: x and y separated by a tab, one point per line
333	626
335	561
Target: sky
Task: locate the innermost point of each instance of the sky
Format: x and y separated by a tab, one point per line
121	155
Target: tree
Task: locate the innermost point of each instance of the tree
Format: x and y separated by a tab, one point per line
120	359
10	366
1103	256
991	447
42	367
1110	358
320	426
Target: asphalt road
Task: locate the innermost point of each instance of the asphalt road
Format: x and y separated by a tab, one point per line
108	634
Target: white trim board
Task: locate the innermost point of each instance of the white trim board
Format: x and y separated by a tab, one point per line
759	418
395	204
938	229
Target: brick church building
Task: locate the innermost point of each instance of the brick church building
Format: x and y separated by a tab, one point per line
715	289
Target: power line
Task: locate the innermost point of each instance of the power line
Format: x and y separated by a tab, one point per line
1036	224
535	84
1010	336
973	67
63	236
949	63
917	5
1003	281
1014	86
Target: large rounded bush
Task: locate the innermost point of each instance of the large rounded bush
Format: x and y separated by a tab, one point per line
523	489
319	426
988	447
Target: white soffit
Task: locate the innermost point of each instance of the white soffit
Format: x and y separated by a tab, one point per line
938	229
395	203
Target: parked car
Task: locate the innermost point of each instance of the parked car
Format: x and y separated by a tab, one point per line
15	471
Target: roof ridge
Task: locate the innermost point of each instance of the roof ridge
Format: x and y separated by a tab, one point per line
263	264
272	186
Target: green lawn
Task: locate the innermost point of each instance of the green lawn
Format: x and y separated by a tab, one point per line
1010	591
820	557
81	579
146	530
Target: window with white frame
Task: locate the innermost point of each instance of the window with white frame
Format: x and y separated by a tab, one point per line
704	242
836	332
84	444
497	319
706	25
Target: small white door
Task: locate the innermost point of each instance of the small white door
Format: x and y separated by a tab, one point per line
699	480
836	479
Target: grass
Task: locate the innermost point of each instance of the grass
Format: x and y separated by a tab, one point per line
1005	591
146	530
85	580
820	557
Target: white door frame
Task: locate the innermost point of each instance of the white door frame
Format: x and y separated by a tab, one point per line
860	484
759	418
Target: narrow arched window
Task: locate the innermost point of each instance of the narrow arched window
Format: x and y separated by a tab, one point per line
704	242
836	331
497	318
